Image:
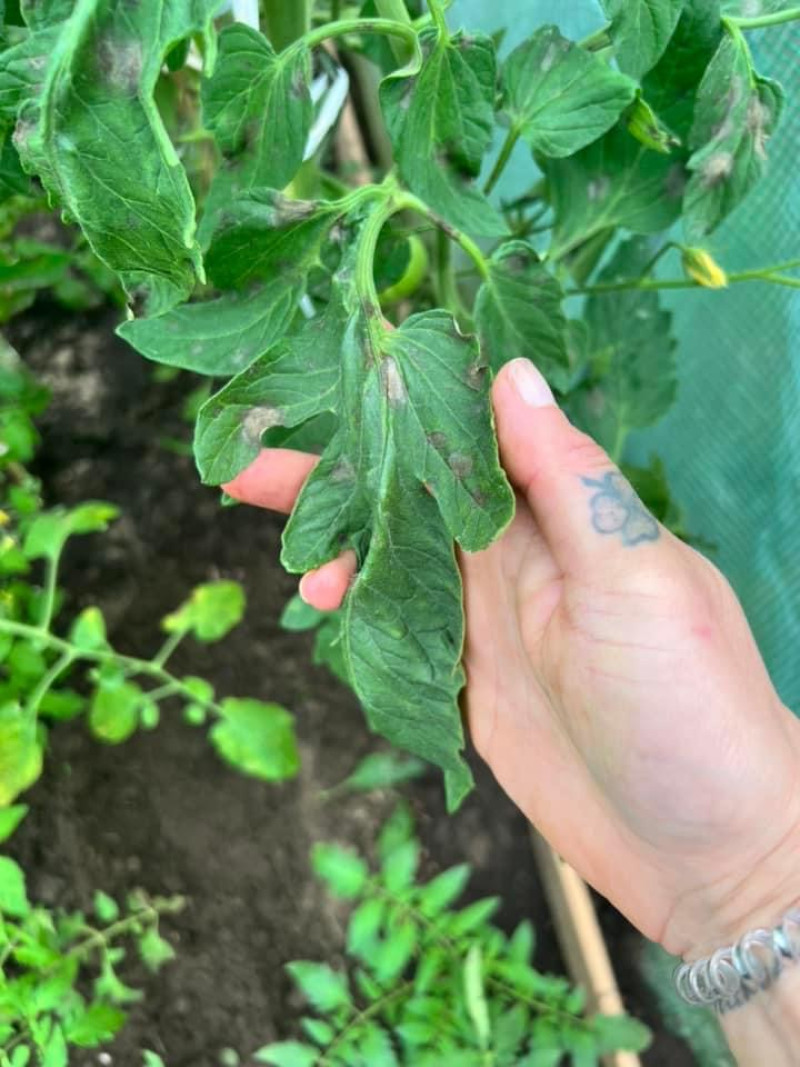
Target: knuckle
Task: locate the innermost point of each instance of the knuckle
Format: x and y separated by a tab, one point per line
583	455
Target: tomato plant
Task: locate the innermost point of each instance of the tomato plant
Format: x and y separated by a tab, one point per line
256	262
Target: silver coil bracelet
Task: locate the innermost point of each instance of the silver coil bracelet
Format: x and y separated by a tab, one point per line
733	975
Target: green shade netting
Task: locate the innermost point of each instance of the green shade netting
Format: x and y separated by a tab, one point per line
731	444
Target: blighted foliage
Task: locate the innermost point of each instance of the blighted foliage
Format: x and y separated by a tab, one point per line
265	270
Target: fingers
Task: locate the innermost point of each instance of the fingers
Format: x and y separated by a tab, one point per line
325	588
273	480
585	509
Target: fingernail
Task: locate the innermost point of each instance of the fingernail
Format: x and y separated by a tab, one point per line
530	384
303	592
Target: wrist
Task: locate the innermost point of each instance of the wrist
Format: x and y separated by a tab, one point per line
751	886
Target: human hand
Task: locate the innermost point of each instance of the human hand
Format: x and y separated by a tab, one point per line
613	686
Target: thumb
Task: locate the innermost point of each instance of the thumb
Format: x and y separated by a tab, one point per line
582	504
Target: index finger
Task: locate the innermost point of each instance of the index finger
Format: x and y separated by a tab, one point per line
273	480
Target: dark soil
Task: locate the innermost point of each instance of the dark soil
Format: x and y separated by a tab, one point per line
162	811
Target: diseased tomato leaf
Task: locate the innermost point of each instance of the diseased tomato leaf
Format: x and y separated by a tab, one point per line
641	31
735	115
23	68
258	106
39	14
299	376
518	313
96	115
559	97
263	250
440	122
631	379
614	182
671	87
412	466
217	337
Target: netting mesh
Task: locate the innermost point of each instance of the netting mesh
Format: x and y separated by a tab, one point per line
732	442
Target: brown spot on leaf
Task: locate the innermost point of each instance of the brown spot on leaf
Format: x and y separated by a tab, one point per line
437	440
460	464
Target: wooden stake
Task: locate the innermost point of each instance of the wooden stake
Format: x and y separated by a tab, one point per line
581	939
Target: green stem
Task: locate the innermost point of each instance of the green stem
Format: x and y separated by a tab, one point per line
65	660
409	202
500	163
758	22
597	40
446	289
387	27
765	274
436	9
286	21
619	442
397	11
452	949
130	664
364	1016
168	648
150	914
48	604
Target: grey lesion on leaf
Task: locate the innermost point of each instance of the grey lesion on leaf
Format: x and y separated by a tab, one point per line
120	63
616	510
717	169
260	419
394	387
759	121
344	471
460	464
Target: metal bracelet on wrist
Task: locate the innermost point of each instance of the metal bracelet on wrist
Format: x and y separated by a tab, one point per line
734	974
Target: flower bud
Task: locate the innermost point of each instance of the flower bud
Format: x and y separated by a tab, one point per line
704	269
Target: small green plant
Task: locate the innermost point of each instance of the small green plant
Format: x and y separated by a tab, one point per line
59	971
245	260
51	669
430	983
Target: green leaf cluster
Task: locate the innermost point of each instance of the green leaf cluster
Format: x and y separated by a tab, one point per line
52	668
429	981
60	983
261	270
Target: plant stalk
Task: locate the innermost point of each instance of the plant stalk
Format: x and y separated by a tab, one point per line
131	664
758	22
500	163
396	11
771	274
286	21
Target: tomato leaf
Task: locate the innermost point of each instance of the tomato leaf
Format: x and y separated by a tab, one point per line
614	182
258	738
210	613
641	31
558	96
96	115
671	87
293	382
735	115
258	106
440	121
518	313
20	752
631	381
